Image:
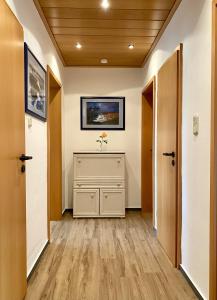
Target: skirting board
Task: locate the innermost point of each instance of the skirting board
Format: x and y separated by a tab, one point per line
197	293
37	261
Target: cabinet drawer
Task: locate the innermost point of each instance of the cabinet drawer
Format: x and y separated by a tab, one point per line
98	184
112	202
86	202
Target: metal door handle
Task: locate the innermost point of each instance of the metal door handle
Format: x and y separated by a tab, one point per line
172	154
24	157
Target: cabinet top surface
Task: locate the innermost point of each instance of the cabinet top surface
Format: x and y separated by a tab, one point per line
98	152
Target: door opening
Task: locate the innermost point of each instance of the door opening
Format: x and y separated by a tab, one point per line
54	149
148	150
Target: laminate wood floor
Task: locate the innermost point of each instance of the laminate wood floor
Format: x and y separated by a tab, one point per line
106	259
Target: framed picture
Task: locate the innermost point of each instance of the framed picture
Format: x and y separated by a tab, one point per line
35	86
102	113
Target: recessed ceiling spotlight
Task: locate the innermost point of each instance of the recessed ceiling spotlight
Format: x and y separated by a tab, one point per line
131	46
104	61
78	46
105	4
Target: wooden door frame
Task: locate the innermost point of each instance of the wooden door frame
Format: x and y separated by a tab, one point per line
213	166
152	81
179	158
179	148
50	74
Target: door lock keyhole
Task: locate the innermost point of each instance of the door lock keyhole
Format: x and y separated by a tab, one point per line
23	168
173	163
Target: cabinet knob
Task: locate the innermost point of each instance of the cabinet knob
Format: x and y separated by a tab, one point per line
92	196
106	196
119	161
79	161
118	184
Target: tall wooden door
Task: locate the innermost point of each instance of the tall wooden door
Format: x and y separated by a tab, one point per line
167	156
12	137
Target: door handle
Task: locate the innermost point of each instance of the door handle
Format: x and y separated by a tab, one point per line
171	154
24	157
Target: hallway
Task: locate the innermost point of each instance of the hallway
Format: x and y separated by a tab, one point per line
117	259
108	114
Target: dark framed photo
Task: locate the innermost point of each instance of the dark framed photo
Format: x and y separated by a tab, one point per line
102	113
35	86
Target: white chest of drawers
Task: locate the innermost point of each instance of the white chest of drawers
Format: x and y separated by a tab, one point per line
99	184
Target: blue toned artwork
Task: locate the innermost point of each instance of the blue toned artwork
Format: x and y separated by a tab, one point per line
35	86
99	113
106	113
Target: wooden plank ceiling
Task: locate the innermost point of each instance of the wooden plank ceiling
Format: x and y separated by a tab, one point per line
104	33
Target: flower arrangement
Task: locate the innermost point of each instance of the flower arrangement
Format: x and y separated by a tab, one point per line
102	140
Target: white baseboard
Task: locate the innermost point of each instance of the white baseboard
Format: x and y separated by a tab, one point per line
36	257
194	286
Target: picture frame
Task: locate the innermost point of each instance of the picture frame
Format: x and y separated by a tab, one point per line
102	113
35	86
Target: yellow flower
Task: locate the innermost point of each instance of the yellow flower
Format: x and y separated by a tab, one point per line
104	135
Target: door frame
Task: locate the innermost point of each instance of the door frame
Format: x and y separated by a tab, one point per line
50	77
152	81
179	157
179	149
213	163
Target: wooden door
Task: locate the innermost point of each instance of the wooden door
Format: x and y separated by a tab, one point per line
12	137
54	149
147	150
166	145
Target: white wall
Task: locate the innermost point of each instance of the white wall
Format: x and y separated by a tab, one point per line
104	82
39	42
191	26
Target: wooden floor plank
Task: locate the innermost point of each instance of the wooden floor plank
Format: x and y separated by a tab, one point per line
106	259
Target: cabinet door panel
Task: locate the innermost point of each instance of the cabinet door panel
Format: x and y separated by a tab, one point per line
99	167
86	202
112	202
